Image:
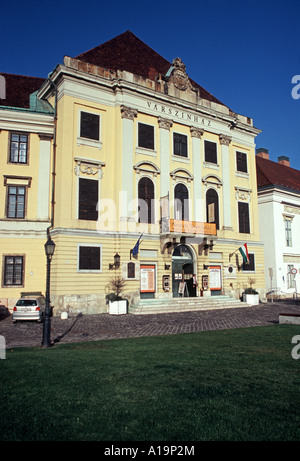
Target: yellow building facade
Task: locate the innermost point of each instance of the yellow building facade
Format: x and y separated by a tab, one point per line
148	160
26	136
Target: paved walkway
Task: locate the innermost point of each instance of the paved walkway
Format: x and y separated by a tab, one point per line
104	326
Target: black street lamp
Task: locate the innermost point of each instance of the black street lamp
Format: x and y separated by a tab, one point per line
116	263
49	250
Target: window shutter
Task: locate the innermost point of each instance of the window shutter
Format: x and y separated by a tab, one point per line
212	207
251	265
146	195
210	149
146	136
241	162
89	126
244	224
89	258
180	144
88	199
131	270
181	202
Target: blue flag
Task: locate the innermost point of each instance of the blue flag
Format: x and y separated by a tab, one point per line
136	247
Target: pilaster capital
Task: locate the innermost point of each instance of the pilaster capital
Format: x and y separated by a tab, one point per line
224	140
127	112
44	136
164	123
196	132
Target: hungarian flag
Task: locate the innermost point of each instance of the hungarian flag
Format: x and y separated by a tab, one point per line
244	252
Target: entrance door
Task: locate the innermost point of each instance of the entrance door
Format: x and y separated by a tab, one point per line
182	271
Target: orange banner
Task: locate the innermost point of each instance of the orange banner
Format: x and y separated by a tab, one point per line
192	227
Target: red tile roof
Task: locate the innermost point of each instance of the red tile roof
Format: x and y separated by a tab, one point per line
271	173
18	89
128	52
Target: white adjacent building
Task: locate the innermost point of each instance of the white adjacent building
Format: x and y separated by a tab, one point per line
279	220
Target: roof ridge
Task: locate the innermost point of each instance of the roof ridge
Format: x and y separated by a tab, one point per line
263	172
280	165
21	75
115	54
127	32
270	173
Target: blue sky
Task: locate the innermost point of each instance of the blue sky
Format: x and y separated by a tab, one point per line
244	53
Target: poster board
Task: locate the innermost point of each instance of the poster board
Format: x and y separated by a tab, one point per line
215	281
147	273
181	288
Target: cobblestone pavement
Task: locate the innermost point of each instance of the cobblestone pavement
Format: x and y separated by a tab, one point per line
105	326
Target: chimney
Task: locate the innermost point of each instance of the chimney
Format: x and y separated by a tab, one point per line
263	153
283	160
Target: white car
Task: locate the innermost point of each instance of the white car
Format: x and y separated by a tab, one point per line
29	308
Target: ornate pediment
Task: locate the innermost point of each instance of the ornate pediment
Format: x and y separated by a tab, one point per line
212	180
146	167
181	173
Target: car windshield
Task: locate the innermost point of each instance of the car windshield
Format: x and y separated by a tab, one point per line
26	302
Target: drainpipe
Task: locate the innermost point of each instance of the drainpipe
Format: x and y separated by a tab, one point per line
54	157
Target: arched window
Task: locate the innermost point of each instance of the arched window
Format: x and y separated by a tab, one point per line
212	207
146	200
181	202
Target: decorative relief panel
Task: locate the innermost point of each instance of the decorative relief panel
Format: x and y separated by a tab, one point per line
291	209
243	194
89	167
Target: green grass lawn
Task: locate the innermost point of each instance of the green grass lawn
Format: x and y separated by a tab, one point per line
238	384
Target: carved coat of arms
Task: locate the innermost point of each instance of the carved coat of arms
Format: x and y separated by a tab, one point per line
179	76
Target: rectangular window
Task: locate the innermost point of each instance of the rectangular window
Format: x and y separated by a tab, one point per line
13	270
241	162
288	232
88	199
89	126
16	202
131	270
146	136
89	258
251	266
244	224
210	152
18	148
180	145
290	277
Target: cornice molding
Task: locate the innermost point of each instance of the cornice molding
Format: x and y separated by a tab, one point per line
117	86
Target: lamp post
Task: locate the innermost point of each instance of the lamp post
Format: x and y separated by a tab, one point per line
49	250
116	263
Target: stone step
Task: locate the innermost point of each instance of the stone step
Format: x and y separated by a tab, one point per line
156	306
